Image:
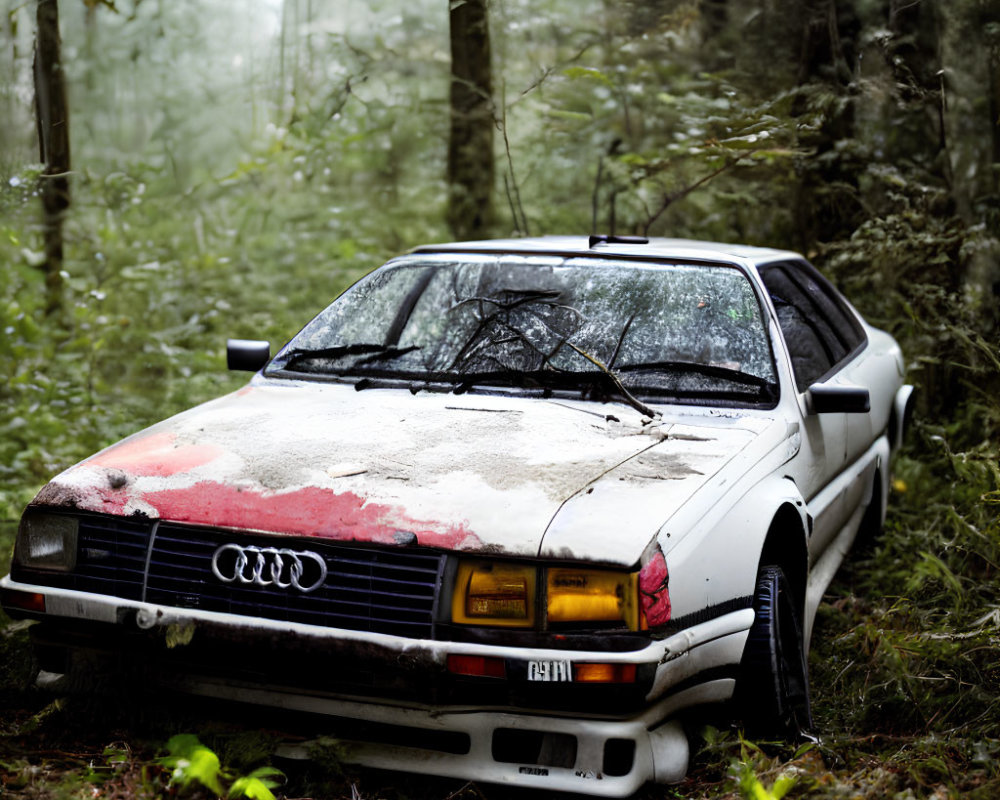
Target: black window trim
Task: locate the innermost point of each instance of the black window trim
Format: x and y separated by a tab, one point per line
834	295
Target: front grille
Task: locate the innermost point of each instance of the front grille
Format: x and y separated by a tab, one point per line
111	556
366	589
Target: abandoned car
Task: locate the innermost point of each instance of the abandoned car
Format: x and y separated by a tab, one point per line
502	511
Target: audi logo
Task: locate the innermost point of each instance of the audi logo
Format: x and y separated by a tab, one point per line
269	566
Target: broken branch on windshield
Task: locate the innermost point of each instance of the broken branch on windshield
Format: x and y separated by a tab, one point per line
629	398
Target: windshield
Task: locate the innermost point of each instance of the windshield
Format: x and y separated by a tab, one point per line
653	330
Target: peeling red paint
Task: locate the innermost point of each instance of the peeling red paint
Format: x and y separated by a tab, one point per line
104	499
310	511
157	455
654	596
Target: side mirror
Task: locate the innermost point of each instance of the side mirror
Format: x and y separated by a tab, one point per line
248	355
831	399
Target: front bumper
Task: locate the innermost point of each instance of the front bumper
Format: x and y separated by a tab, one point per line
588	746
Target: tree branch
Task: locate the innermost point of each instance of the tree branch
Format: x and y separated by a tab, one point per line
671	198
629	398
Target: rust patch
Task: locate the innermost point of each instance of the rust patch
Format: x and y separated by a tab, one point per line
88	498
117	479
689	437
56	494
653	464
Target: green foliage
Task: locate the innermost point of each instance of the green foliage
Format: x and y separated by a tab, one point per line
154	288
752	788
190	762
257	785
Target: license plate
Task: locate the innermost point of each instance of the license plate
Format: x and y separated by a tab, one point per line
549	671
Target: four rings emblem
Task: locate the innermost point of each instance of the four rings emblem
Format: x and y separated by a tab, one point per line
269	566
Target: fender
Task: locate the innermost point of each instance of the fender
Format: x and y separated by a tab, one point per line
697	587
902	412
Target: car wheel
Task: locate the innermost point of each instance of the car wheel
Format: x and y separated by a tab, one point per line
774	685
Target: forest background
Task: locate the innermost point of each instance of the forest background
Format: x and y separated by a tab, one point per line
237	163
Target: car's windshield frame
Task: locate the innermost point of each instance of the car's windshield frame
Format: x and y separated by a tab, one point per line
382	363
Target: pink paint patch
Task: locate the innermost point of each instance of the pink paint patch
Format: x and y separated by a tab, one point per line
156	455
653	594
310	511
108	501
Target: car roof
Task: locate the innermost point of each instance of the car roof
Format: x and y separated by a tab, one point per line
630	247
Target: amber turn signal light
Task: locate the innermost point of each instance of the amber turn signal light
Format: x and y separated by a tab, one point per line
25	601
604	673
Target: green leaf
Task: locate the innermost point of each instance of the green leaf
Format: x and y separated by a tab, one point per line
588	73
206	769
191	761
256	785
179	635
932	566
183	744
782	786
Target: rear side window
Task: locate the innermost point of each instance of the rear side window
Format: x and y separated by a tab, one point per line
820	330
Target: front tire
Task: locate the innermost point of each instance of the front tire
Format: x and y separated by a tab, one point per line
773	692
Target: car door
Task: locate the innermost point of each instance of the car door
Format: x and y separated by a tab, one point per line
822	339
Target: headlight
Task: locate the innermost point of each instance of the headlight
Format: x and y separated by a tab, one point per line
498	593
494	594
46	541
581	595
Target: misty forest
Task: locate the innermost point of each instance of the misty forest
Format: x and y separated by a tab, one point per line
176	172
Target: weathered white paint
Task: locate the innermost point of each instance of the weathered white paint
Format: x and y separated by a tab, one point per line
478	473
661	752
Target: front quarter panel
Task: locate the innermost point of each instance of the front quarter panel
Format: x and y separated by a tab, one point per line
713	543
713	569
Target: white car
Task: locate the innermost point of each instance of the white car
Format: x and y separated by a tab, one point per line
500	512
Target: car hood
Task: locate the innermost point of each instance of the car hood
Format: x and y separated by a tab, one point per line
490	474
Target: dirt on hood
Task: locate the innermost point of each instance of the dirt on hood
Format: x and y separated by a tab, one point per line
483	473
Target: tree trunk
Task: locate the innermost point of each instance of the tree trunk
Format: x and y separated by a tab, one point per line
714	19
470	145
827	207
993	48
52	115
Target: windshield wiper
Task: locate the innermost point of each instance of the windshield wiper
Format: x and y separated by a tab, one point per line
603	381
708	370
371	353
718	382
